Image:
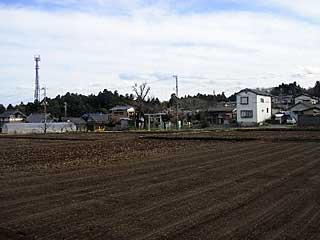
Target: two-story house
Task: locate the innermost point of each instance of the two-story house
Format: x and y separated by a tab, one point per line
253	107
122	112
12	116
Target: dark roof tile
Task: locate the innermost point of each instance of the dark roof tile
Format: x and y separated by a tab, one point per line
255	91
39	118
8	113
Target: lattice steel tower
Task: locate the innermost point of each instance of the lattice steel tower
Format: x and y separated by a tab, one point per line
37	85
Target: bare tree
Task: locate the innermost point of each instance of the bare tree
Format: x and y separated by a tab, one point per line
141	91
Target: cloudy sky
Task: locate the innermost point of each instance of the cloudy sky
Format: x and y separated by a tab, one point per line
212	45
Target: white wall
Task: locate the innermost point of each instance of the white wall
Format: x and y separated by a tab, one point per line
264	110
31	128
261	110
250	106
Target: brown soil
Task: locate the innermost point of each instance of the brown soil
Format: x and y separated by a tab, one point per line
122	186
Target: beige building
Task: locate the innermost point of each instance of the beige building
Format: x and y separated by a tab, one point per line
122	112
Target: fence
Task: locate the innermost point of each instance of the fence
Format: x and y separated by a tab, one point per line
308	121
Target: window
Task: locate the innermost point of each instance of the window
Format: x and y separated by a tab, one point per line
262	100
246	114
244	100
267	110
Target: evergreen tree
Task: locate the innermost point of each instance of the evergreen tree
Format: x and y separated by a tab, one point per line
10	107
2	109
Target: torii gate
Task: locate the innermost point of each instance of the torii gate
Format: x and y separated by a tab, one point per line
154	116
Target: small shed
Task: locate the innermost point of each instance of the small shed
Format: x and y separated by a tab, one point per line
220	113
97	121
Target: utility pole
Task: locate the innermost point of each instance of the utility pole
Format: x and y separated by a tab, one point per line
37	84
281	99
45	108
65	109
149	122
177	97
177	86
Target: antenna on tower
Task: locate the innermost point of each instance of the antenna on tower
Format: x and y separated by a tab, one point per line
37	85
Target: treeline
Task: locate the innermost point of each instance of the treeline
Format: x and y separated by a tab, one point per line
295	89
209	97
199	101
78	104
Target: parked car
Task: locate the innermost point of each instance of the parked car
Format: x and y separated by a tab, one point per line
290	120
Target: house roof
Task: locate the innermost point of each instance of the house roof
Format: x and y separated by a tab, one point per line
97	117
301	106
77	121
221	108
313	107
255	91
8	113
305	94
121	108
39	118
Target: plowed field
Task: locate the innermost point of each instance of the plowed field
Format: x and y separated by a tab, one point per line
122	186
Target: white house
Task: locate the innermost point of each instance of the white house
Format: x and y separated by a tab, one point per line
253	107
305	98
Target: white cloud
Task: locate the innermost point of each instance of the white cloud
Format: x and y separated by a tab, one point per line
86	52
306	8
